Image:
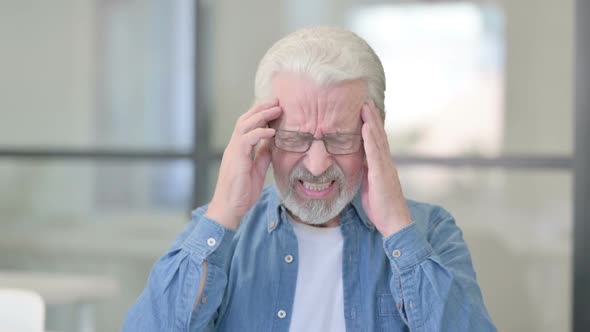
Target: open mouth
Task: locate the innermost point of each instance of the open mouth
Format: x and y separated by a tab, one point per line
317	190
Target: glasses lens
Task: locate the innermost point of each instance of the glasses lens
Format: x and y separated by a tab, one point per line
342	143
292	141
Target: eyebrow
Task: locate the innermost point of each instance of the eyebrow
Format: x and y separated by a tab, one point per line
325	134
272	124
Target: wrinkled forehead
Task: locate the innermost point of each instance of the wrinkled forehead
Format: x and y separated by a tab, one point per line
308	106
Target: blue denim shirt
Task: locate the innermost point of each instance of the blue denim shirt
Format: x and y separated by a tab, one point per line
418	279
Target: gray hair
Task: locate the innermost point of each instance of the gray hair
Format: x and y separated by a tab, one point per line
326	55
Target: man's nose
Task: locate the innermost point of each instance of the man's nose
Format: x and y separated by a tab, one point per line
317	160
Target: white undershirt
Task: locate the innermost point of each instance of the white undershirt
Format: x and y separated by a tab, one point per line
319	295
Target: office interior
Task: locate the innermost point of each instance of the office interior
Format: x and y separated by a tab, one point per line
114	115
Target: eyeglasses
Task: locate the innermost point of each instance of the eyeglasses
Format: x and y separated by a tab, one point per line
336	144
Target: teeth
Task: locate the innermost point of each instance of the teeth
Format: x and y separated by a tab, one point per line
316	186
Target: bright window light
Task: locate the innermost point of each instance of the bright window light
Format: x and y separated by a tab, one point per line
445	69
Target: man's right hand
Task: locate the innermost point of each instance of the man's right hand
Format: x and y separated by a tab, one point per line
241	177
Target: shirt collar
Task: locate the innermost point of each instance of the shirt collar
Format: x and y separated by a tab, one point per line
277	213
357	203
275	210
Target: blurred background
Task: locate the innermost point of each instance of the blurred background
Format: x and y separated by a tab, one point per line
114	115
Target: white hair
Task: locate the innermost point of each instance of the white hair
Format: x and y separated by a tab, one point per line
326	55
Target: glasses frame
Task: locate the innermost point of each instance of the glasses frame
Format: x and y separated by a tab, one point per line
310	139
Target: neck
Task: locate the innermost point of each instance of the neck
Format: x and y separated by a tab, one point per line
334	222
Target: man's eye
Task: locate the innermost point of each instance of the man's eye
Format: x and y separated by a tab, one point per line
293	140
340	140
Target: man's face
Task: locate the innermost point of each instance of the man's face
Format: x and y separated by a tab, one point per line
316	185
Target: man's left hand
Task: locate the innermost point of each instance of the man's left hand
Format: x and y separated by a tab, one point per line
382	195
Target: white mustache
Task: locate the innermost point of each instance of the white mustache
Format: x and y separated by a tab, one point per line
332	173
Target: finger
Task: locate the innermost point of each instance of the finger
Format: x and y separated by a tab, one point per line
257	108
376	111
373	119
258	120
262	159
370	113
262	106
376	154
365	183
253	137
370	130
371	148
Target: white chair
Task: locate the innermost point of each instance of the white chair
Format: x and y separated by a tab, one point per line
21	310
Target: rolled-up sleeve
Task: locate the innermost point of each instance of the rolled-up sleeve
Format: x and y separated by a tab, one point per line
433	281
167	302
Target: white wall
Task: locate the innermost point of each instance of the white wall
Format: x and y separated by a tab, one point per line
47	71
47	98
539	76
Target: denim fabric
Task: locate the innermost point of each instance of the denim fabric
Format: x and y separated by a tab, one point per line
418	279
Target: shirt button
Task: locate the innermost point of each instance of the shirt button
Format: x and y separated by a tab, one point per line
282	314
396	253
288	259
211	242
272	225
204	299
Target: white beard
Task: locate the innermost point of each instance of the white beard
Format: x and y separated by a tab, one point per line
318	211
